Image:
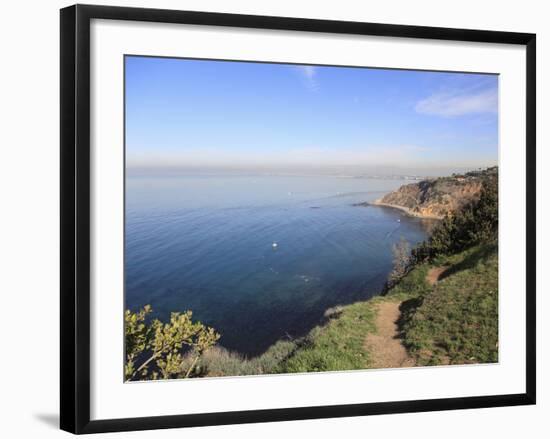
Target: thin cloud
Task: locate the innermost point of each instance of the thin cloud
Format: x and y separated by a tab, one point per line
452	104
309	75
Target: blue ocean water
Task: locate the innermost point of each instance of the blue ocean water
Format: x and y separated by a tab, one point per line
205	243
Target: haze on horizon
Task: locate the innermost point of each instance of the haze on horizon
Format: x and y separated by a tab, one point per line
242	116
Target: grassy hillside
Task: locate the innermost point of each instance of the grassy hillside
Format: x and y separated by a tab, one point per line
451	322
456	321
338	345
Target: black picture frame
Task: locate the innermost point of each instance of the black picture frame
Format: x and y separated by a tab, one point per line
75	217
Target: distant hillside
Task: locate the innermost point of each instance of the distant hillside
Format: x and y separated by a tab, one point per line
435	198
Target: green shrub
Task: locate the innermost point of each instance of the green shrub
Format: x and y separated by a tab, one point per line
156	350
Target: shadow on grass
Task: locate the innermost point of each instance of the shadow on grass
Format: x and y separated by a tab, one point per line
470	261
407	309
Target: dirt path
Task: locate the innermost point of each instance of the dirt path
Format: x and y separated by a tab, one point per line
385	346
434	274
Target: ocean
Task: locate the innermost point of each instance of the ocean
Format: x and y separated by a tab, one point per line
258	257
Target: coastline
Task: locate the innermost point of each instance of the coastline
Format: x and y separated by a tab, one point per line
438	284
403	209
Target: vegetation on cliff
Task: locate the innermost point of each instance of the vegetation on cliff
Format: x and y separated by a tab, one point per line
475	223
438	197
456	320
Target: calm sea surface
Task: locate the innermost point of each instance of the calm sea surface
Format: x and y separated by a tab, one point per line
205	243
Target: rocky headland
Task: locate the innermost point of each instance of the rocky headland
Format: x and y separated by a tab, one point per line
437	197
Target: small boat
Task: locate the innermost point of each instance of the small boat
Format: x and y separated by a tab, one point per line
274	245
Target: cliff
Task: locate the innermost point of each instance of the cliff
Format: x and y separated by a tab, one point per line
435	198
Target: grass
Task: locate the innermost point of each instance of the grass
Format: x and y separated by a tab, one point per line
337	345
456	322
412	285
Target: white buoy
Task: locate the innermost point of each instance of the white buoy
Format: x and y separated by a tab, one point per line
274	245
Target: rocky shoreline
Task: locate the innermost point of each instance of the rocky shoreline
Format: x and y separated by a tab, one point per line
403	209
436	198
406	210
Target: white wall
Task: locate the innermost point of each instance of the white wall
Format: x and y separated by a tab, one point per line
29	217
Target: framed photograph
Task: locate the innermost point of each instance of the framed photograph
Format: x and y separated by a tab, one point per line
273	218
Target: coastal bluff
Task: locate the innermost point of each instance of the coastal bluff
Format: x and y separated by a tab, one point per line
437	197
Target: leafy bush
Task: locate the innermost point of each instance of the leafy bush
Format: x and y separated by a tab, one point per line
156	350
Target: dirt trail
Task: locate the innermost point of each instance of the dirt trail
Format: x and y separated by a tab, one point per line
434	274
385	346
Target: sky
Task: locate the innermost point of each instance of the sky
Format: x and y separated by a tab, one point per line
226	114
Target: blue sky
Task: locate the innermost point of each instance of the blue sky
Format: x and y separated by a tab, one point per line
239	114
